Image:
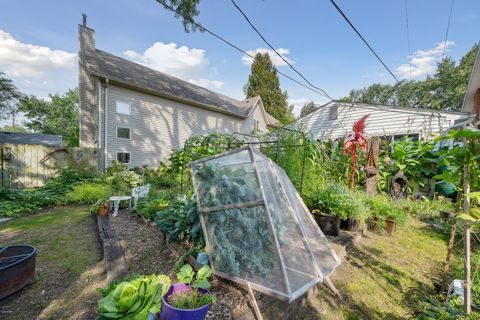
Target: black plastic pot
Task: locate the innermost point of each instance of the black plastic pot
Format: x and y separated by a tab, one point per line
330	225
349	225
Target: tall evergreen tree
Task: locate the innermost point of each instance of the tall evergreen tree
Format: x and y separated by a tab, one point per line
263	81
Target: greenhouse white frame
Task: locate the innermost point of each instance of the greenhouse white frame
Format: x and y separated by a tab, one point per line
321	257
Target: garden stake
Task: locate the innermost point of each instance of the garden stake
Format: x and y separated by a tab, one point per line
256	309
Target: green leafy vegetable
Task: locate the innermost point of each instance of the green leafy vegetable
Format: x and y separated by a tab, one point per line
133	299
187	275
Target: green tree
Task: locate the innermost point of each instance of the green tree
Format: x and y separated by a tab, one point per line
58	116
186	10
263	81
444	90
9	96
308	108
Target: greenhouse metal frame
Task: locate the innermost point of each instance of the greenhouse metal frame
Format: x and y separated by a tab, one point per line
318	275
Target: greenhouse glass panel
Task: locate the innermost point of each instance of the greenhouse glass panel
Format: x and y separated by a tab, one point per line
256	226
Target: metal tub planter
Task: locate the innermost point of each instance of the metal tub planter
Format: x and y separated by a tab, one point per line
17	268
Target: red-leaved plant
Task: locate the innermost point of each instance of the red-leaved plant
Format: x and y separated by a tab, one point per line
354	141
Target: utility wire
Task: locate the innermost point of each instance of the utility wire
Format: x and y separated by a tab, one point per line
278	54
202	28
448	29
363	39
408	39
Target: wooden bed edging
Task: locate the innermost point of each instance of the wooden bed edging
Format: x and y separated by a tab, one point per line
115	265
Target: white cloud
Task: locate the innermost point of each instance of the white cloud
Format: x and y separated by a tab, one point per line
423	62
19	59
182	62
276	60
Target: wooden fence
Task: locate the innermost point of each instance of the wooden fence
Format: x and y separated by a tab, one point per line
27	166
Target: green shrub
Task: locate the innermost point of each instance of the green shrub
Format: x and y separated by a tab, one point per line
383	207
153	203
15	202
121	179
427	208
180	221
89	192
337	200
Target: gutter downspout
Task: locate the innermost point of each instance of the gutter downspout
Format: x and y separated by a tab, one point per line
105	111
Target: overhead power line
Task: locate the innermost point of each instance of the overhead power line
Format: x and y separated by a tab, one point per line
363	39
408	39
448	29
201	27
274	50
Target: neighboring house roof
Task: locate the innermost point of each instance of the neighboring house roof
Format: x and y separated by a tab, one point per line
382	107
123	71
30	138
473	88
383	118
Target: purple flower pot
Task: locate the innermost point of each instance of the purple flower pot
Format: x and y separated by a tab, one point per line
172	313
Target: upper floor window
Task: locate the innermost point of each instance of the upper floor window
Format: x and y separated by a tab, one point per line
123	107
123	133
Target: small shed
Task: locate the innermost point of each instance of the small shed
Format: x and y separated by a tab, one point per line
257	229
49	140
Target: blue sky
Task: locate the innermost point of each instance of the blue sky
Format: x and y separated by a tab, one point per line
38	40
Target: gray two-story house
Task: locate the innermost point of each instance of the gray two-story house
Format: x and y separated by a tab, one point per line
138	115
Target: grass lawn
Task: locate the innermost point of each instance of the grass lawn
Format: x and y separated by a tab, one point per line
68	265
385	277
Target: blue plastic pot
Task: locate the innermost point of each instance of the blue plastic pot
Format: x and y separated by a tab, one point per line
172	313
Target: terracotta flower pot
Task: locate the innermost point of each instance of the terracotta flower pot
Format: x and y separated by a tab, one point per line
103	210
390	226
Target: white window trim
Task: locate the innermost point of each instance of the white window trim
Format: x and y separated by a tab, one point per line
129	107
129	157
116	132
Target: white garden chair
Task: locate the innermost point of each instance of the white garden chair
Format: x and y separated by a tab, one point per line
137	193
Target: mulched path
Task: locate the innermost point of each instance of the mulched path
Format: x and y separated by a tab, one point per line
146	253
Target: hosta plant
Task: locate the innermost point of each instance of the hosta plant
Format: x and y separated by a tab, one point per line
133	299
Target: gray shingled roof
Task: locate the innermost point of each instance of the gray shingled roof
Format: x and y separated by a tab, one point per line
30	138
114	68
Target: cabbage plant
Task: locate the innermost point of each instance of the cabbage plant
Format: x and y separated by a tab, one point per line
133	299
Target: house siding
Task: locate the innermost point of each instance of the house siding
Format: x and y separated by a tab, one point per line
159	126
382	121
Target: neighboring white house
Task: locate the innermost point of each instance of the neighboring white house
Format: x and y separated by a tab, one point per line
471	103
335	119
138	115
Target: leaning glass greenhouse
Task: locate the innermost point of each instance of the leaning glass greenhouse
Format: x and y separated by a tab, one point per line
257	229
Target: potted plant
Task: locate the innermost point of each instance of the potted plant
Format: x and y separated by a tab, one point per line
100	207
331	203
137	298
387	213
189	299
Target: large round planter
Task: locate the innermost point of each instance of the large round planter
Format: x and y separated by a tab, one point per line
171	313
349	225
330	225
390	226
